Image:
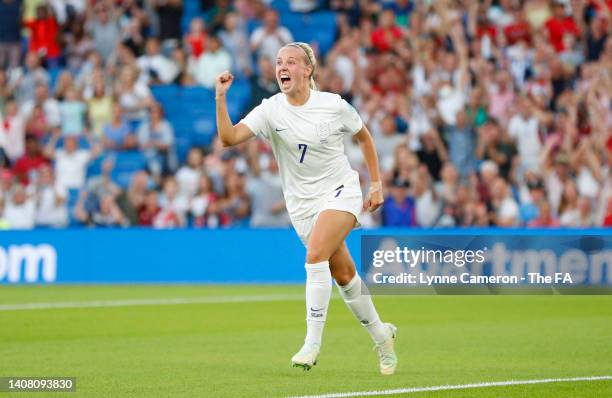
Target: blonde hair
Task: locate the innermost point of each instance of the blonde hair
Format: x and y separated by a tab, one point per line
310	60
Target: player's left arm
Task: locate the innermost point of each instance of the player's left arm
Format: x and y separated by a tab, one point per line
375	195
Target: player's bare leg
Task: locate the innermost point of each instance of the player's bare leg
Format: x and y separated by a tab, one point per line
359	301
329	231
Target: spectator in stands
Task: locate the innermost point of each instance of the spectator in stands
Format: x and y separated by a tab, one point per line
132	200
461	144
531	195
560	24
170	13
10	38
174	208
266	40
501	97
506	210
26	167
545	217
432	153
103	25
597	34
117	134
196	40
524	128
25	80
155	68
182	63
569	214
489	171
214	61
428	206
20	208
586	216
205	205
70	160
236	204
387	140
99	186
156	141
100	109
263	85
132	40
235	40
398	208
447	189
495	144
37	125
92	73
134	96
44	35
108	214
149	210
51	197
12	132
188	175
267	200
73	113
387	34
62	85
78	46
49	106
218	13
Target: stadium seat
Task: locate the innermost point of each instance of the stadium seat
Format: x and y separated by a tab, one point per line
317	28
165	92
183	144
126	164
204	131
196	93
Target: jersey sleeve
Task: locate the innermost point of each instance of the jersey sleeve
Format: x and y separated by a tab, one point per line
257	121
349	118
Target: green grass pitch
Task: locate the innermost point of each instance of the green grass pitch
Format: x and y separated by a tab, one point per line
243	349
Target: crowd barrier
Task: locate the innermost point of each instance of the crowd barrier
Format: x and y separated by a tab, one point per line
244	255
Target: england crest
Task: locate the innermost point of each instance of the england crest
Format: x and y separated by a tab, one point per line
323	131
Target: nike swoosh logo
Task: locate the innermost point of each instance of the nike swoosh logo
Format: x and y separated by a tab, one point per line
278	130
313	310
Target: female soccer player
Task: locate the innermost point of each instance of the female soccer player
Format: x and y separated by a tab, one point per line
305	129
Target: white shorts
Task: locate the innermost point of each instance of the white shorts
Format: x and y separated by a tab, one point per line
346	197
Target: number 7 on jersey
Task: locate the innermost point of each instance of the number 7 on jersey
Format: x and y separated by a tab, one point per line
302	147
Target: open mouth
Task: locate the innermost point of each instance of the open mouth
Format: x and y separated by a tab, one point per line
285	79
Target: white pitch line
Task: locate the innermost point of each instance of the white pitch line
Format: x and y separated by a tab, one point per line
452	387
156	301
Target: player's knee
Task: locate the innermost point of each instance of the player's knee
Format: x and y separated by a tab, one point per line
316	255
343	276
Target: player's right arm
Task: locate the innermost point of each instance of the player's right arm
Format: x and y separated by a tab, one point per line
228	133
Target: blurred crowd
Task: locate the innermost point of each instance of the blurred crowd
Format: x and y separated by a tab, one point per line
484	113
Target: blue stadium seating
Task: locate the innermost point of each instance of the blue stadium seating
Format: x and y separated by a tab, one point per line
126	164
317	28
191	111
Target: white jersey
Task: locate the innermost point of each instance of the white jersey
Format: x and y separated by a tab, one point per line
307	141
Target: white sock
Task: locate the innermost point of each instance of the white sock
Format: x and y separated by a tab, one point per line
361	305
318	292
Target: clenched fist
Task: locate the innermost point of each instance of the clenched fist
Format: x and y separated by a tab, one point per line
223	83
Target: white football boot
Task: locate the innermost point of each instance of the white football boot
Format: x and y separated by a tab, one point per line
386	352
306	357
